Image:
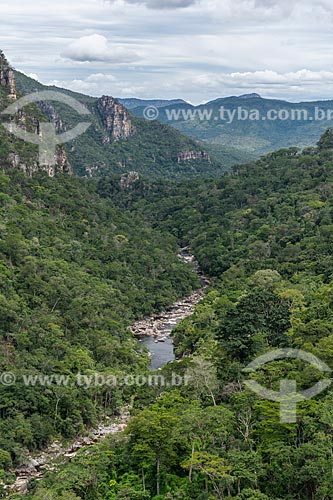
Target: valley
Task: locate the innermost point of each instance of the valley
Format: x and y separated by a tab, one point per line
112	246
150	331
154	332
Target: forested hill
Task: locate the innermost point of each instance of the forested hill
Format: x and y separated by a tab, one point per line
275	212
265	232
75	272
81	258
118	141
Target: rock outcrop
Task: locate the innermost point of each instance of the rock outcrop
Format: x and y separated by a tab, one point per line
32	167
193	156
127	180
63	165
7	78
53	115
115	118
37	467
29	120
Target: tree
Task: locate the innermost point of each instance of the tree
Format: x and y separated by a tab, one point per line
43	494
326	140
202	378
5	460
212	467
151	438
259	311
206	429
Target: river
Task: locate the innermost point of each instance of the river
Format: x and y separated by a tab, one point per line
155	333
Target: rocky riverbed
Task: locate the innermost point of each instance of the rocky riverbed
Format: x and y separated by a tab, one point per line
154	326
37	466
157	329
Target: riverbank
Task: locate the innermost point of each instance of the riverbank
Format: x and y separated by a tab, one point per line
38	465
155	331
157	328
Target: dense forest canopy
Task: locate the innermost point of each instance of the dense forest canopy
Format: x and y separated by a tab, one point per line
75	272
81	260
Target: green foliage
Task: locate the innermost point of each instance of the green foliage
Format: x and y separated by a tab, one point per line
246	136
5	459
264	234
75	272
153	150
43	494
326	140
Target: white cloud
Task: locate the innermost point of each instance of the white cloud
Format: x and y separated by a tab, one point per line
97	84
160	4
100	77
298	85
96	48
268	77
197	88
249	10
234	8
207	50
34	76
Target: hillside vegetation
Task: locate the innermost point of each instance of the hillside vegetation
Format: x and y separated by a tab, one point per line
300	124
75	272
118	141
264	232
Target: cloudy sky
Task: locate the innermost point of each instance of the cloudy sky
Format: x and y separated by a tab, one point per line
192	49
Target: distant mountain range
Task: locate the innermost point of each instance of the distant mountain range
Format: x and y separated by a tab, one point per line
274	124
132	103
208	139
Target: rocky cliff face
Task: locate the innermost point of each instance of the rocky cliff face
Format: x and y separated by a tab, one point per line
127	180
193	156
31	167
63	165
53	115
115	119
17	156
7	78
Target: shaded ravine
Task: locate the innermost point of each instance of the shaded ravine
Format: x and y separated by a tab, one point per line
154	332
50	459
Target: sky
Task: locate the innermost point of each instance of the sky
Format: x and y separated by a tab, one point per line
197	50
